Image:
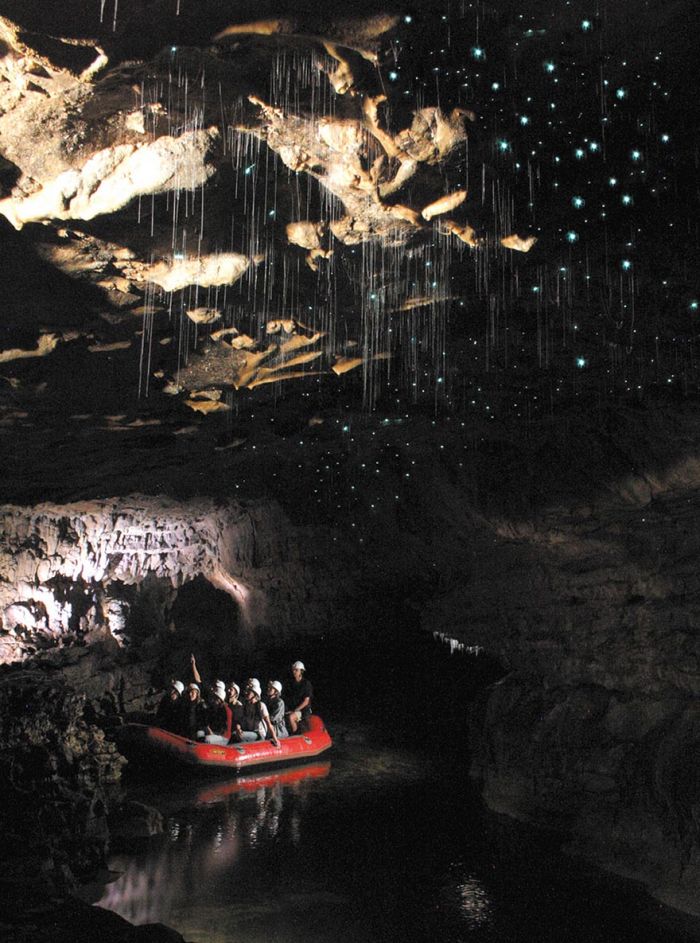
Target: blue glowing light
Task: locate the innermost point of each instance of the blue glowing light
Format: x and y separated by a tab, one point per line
393	76
272	214
594	146
524	119
249	170
572	236
579	153
478	52
586	26
495	86
665	138
635	155
581	362
612	181
621	93
694	305
578	202
627	199
549	66
535	288
626	265
408	19
503	146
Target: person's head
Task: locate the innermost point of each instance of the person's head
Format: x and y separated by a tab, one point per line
193	693
219	690
233	691
274	689
176	689
298	670
253	690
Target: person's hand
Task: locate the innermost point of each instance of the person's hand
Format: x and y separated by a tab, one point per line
275	743
192	660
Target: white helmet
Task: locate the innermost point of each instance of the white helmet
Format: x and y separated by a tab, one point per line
220	690
254	685
298	665
179	686
235	688
276	685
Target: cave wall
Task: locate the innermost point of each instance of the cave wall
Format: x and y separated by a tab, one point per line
594	610
591	607
98	571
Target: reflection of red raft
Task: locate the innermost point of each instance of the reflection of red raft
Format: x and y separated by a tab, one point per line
236	756
256	781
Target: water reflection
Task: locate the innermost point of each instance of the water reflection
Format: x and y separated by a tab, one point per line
202	852
381	847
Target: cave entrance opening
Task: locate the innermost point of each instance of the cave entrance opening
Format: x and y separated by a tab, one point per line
205	621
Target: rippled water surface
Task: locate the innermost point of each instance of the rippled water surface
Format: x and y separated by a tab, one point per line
376	844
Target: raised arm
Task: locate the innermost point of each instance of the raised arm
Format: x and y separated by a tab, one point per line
195	671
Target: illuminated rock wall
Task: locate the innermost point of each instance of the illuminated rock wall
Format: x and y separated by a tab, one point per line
63	568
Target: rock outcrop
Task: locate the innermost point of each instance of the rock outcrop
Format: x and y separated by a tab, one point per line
65	570
54	770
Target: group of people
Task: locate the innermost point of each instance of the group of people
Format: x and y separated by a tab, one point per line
225	716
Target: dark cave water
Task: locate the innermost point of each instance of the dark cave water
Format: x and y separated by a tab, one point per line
385	840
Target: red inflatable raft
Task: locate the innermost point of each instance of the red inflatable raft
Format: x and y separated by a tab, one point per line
236	756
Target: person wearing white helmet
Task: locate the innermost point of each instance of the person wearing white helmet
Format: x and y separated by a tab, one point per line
234	702
255	723
300	694
219	716
168	708
275	707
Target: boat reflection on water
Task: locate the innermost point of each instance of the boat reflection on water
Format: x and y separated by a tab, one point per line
204	843
255	781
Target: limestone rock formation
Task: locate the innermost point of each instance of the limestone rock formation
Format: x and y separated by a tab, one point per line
66	571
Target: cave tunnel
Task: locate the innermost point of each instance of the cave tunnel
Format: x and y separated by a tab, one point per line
390	311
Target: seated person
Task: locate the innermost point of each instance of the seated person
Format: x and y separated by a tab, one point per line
219	716
300	694
192	719
275	707
255	723
234	703
168	709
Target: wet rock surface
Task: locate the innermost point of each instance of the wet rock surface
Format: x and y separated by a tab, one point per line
72	921
55	771
61	812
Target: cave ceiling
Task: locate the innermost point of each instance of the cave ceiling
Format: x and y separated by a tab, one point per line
225	228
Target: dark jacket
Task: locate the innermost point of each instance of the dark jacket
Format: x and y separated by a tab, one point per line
168	713
219	718
192	718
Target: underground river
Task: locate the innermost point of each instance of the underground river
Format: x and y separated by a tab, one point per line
383	839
